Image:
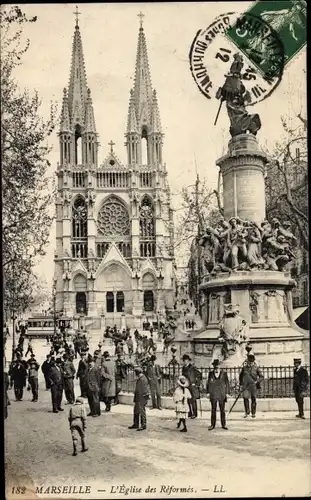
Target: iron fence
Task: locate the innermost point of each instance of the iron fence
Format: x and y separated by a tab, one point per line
277	382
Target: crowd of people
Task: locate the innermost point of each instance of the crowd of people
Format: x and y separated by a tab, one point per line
101	378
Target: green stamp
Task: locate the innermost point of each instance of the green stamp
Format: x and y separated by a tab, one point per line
271	33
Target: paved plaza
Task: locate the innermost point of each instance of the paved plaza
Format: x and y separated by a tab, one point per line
253	458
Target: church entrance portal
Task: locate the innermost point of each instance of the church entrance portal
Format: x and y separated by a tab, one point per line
81	303
148	300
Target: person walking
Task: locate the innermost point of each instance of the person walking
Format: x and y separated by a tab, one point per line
194	377
93	387
56	384
141	396
250	379
81	375
46	365
69	372
153	374
6	401
217	388
120	374
77	425
29	348
180	398
300	386
130	346
18	376
108	388
33	368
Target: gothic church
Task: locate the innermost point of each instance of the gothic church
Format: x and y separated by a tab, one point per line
114	258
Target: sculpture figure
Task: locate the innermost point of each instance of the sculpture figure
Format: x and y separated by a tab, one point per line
237	97
254	256
232	331
237	242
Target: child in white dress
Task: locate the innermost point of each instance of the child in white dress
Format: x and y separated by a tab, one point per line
180	397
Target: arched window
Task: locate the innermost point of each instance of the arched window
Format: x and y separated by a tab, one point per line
109	302
144	147
120	301
148	300
79	229
147	228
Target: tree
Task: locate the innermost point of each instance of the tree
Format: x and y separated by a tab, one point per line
287	179
27	191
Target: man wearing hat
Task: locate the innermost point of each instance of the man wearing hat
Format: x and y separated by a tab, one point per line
33	367
141	396
56	384
93	387
46	365
217	388
69	372
194	377
300	386
120	374
18	376
250	379
108	384
153	374
77	425
81	374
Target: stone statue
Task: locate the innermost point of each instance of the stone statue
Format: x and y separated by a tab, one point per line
237	242
232	332
237	97
254	256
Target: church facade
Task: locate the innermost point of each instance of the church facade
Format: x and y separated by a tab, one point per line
114	258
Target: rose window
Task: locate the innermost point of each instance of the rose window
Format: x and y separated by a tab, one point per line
113	220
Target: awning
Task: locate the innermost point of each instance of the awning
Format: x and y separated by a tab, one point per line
298	311
303	320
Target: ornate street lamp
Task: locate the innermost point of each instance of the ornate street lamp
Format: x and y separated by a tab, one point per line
54	305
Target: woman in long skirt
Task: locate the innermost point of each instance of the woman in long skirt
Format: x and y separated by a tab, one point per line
180	398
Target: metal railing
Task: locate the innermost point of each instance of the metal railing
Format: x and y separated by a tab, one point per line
277	383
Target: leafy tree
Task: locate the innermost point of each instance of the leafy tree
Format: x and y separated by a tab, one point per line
287	179
27	191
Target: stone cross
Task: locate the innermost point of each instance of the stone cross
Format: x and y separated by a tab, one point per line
77	13
141	16
111	144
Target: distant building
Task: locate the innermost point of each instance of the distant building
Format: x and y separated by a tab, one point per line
275	207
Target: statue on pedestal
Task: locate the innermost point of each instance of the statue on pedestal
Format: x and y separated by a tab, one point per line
237	97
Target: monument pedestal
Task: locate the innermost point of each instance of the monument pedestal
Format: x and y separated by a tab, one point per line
265	303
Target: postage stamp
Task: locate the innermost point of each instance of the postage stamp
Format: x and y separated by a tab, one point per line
288	19
212	53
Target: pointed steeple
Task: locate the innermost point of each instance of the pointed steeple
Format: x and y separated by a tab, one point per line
142	91
155	115
89	114
77	91
131	118
64	117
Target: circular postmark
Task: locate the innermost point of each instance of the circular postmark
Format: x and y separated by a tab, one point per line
213	49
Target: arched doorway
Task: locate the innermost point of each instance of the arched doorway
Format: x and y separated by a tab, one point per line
148	301
81	303
120	301
109	302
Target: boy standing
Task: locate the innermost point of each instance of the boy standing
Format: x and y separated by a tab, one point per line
77	424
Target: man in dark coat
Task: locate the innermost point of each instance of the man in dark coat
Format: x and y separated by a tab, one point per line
300	387
46	365
7	403
120	374
153	374
250	379
69	372
93	388
194	377
18	374
108	380
81	374
56	384
217	388
141	396
33	367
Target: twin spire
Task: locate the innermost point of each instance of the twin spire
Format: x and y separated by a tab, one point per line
77	108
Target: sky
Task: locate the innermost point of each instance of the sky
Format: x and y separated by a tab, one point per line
109	36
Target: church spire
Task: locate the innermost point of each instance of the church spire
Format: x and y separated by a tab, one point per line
64	117
155	115
142	91
131	119
77	90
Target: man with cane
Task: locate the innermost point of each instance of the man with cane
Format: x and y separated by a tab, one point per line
250	379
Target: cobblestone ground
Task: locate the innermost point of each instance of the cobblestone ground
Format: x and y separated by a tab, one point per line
253	458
